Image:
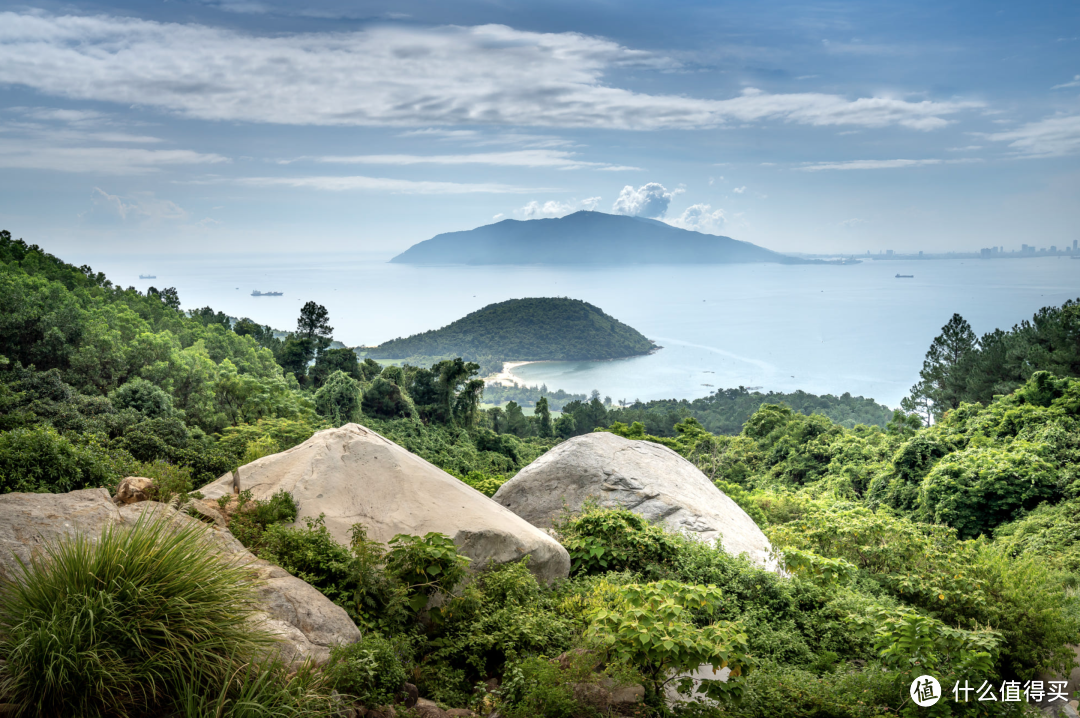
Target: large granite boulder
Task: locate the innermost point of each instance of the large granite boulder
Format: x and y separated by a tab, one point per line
641	476
354	475
306	621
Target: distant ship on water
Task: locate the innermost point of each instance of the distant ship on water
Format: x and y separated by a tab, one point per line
147	276
257	293
905	276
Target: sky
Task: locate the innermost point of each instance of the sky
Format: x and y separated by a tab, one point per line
243	126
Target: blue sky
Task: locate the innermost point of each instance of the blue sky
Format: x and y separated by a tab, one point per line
260	125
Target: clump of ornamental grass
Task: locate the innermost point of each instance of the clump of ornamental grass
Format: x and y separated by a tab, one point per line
123	624
264	689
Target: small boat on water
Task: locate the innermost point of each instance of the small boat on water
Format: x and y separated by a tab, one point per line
905	276
147	276
257	293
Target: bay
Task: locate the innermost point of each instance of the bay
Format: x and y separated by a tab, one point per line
822	329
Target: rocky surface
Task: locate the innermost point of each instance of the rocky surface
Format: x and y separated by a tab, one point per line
354	475
133	489
307	622
641	476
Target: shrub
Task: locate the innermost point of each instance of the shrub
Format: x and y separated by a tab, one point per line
311	554
653	630
427	565
339	399
149	400
369	670
980	488
250	519
485	484
42	460
601	540
122	624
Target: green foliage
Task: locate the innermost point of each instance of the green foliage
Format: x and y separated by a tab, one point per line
502	616
652	627
484	483
370	670
338	400
977	489
727	410
40	459
525	329
1050	533
121	624
263	689
601	540
311	554
427	565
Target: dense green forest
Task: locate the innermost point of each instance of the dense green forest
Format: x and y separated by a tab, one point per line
951	548
548	328
726	410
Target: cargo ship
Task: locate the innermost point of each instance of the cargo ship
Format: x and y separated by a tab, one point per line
905	276
257	293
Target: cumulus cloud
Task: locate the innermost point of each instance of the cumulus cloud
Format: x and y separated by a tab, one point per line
554	208
739	190
649	200
393	75
554	159
700	218
1051	137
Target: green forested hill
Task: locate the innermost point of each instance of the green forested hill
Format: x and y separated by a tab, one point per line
725	411
544	328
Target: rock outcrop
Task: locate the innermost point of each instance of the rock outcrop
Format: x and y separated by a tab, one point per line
641	476
354	475
307	622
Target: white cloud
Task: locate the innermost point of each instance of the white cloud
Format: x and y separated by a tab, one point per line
393	75
649	200
500	215
554	208
1050	137
1074	83
102	160
140	207
383	184
877	164
852	223
739	190
700	218
555	159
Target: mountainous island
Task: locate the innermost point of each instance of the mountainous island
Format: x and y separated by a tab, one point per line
543	328
587	238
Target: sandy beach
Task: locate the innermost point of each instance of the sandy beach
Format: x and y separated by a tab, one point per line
506	377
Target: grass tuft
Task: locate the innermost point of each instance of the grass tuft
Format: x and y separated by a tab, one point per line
124	623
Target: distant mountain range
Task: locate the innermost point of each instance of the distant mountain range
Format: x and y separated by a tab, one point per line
587	238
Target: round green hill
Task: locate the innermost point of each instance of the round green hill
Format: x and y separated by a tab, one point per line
536	329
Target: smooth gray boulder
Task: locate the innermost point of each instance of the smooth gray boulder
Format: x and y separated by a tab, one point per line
641	476
354	475
306	621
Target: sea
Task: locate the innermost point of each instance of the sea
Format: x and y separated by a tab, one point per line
824	329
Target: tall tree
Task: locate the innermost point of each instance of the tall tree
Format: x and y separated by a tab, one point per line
944	375
314	322
547	430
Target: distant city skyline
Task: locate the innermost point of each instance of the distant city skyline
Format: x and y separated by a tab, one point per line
206	126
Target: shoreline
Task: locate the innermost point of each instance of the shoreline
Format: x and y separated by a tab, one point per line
506	377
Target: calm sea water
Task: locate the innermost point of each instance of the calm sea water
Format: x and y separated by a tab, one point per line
823	329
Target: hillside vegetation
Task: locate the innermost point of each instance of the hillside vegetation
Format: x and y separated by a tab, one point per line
546	328
949	549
